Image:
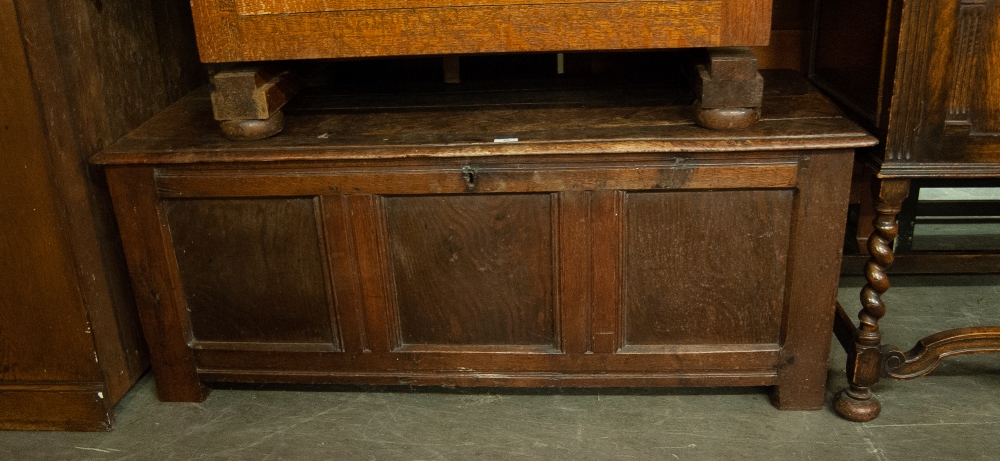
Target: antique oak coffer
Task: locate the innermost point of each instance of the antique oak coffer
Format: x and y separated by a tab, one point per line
249	97
574	237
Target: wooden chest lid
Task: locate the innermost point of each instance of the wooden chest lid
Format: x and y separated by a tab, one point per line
485	121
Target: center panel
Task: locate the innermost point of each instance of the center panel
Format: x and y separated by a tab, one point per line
473	270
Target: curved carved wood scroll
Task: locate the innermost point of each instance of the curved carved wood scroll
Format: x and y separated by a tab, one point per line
925	356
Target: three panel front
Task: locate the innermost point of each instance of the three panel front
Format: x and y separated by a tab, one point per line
567	282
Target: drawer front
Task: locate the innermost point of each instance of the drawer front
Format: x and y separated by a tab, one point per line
256	30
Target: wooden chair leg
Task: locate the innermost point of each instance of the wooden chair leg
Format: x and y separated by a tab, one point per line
864	361
729	90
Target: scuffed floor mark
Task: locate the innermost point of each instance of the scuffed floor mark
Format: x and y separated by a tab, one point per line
478	400
101	450
281	432
690	445
879	454
933	424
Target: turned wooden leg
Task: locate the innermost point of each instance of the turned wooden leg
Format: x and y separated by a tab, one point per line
728	89
247	101
864	357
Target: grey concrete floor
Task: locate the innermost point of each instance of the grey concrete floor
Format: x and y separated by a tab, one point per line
952	414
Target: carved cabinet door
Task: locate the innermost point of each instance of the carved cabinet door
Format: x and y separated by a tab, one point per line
946	101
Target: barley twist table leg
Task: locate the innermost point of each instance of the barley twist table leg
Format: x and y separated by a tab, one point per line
864	361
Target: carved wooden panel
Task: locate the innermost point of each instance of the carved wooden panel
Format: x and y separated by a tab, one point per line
985	112
932	73
919	103
965	60
252	270
706	267
473	269
975	95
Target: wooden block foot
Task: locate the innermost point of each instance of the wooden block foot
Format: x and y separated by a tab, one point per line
728	90
727	119
784	402
249	130
247	101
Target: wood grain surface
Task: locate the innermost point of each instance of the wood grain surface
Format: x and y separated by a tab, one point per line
702	273
224	247
80	75
604	247
923	76
255	7
474	269
255	31
928	89
985	46
38	260
145	235
546	121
